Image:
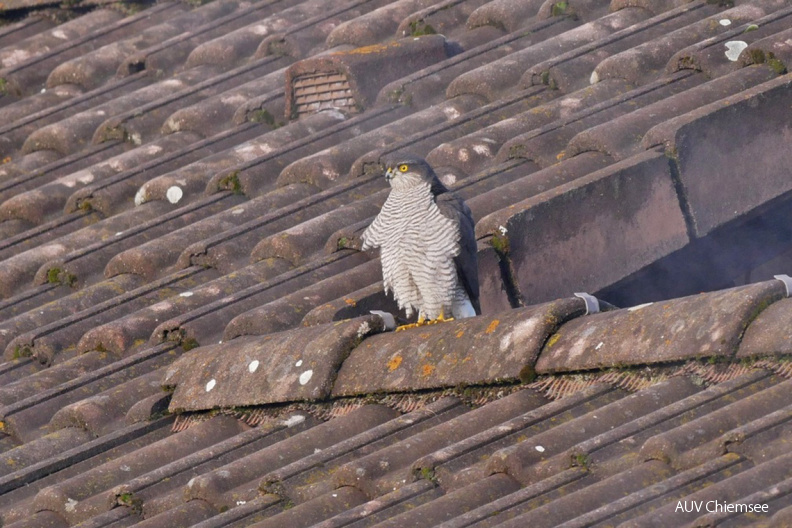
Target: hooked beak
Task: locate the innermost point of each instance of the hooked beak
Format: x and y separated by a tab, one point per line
390	174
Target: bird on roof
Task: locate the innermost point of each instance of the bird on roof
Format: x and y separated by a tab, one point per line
428	244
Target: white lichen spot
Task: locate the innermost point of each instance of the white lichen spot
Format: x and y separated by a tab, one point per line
724	22
85	177
294	420
317	450
71	504
253	366
594	79
638	307
306	376
482	150
101	113
260	29
136	138
241	503
540	449
502	230
363	329
599	346
186	294
580	346
451	113
299	363
211	385
174	194
153	150
233	99
238	211
43	90
463	155
191	482
125	468
58	33
448	179
734	48
15	58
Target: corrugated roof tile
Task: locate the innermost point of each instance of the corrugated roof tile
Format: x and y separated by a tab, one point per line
250	248
470	352
712	326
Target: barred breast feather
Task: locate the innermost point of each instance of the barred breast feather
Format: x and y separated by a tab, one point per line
418	246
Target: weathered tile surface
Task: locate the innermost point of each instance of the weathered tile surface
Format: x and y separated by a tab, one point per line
182	190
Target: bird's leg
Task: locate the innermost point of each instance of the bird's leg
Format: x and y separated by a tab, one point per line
421	322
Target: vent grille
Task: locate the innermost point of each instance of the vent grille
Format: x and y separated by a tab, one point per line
319	91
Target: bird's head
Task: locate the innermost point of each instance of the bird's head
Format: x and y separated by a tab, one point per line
405	172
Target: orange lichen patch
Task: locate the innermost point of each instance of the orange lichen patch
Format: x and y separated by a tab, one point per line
394	362
492	326
350	302
561	155
428	370
460	333
7	159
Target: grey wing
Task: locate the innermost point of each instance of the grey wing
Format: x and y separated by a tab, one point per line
466	262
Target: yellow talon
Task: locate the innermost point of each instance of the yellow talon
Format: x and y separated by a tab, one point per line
423	322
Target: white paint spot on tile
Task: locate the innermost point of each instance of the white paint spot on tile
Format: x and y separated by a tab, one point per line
594	79
599	346
238	211
43	90
502	230
140	196
241	503
638	307
211	385
299	363
734	48
306	376
174	194
191	482
58	33
294	420
70	505
186	294
253	365
724	22
540	449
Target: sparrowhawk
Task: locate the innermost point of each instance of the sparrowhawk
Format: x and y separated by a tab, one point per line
428	244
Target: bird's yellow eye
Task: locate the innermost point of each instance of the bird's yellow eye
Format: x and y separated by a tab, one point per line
403	167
